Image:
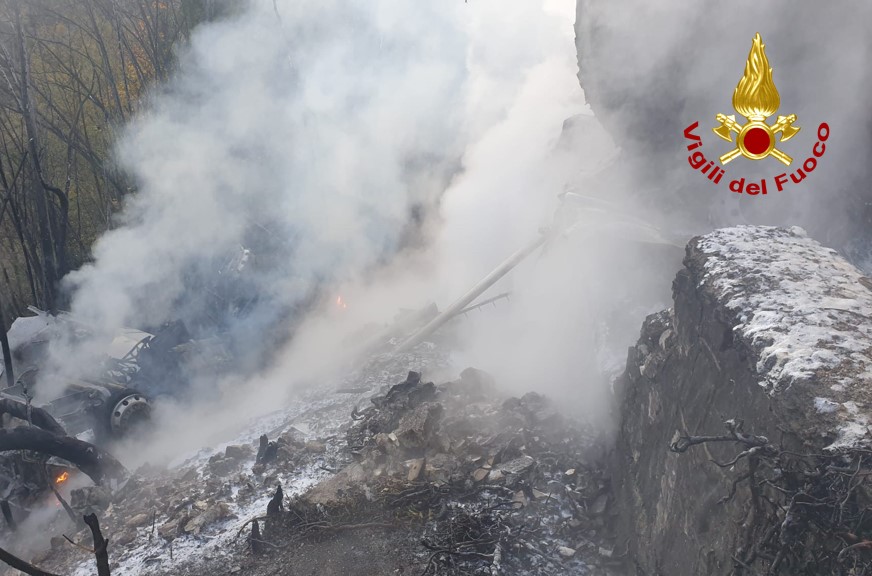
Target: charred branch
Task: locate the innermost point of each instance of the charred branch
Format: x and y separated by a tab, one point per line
276	504
735	434
36	416
96	463
101	545
4	345
22	566
816	508
7	515
267	451
254	540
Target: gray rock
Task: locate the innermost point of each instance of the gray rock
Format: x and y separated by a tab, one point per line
417	428
214	513
518	465
566	552
237	452
138	520
125	538
90	499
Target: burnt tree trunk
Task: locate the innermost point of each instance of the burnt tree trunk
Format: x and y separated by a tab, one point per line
49	244
101	545
7	353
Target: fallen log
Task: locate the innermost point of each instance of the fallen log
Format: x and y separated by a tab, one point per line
96	463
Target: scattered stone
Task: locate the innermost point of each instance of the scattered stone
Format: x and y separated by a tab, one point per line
221	466
340	488
90	499
417	427
189	475
40	556
125	538
476	383
495	476
416	466
518	465
316	447
285	452
293	437
440	467
598	507
138	520
216	512
237	452
520	499
171	528
566	552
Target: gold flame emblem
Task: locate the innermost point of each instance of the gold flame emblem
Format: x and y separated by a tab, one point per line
756	98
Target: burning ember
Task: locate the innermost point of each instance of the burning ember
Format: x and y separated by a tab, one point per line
341	303
62	478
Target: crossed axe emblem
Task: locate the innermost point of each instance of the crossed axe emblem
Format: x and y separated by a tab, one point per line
756	139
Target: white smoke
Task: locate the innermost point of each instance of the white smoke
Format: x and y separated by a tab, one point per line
312	129
321	131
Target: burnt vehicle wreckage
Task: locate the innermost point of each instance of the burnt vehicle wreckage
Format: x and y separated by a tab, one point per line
49	431
135	366
111	403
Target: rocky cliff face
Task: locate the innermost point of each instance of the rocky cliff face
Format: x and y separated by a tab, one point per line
768	328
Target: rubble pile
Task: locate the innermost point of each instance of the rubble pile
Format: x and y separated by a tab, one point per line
476	483
370	477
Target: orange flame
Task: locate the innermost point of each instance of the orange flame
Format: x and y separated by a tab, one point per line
62	478
755	96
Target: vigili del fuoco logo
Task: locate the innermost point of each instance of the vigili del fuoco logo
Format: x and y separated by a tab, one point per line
756	98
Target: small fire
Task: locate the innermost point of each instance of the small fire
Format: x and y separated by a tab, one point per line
341	303
62	478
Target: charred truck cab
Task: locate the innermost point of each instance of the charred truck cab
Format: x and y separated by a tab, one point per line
109	409
110	404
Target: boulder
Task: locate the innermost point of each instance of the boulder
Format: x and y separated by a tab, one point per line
417	427
769	328
212	514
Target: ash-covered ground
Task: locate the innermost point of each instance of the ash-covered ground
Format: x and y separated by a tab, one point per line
382	472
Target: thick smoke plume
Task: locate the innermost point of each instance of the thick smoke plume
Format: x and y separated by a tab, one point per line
309	133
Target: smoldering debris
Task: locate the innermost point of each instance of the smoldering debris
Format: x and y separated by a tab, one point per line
452	476
460	480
